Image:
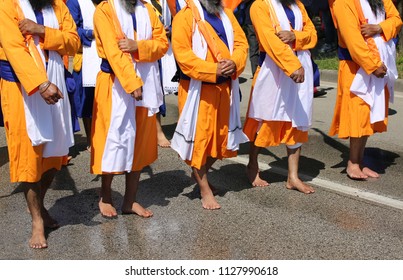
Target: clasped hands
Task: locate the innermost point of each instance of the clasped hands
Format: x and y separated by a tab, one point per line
226	68
288	37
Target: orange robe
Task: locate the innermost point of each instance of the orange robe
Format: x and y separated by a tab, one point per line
148	50
26	161
213	115
351	114
232	4
272	133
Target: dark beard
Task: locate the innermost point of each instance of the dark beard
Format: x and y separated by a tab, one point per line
38	5
129	5
212	6
287	2
376	6
96	2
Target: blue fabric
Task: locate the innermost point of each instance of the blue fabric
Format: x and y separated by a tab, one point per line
343	54
217	24
7	72
106	67
290	16
134	21
86	35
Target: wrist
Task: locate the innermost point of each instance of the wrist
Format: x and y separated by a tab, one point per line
44	86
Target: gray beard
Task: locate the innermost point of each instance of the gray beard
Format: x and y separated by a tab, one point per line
129	5
212	6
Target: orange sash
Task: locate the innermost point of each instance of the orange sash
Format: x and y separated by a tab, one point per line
232	4
33	51
273	17
370	41
203	29
118	28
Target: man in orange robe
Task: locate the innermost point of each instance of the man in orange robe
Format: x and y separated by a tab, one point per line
353	115
24	79
282	52
124	138
213	117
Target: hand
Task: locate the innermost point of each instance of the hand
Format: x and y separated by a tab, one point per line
298	76
287	37
52	94
28	27
228	67
127	45
168	32
369	30
138	94
380	72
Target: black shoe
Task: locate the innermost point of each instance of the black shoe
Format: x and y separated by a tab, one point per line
328	48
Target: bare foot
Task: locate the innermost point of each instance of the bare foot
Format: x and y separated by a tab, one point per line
107	210
354	172
370	173
163	142
254	178
297	184
38	240
48	221
137	209
209	202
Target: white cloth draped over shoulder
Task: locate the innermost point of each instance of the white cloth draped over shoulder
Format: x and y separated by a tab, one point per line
183	139
91	60
168	64
48	124
275	96
182	4
119	147
368	87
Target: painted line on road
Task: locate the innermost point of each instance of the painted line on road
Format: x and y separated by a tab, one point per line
326	184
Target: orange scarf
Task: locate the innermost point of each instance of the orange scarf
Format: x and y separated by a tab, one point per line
203	29
370	41
33	51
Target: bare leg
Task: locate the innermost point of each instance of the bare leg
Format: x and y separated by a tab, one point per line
32	196
105	203
162	140
87	127
130	206
293	181
253	167
207	197
369	172
357	146
46	180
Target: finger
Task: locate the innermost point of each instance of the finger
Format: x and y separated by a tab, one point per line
59	95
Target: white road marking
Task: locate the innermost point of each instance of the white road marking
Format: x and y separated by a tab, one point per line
326	184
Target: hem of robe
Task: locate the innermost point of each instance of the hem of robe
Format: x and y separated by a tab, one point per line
273	133
212	125
145	147
26	161
351	114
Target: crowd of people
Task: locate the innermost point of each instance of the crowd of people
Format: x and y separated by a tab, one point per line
129	53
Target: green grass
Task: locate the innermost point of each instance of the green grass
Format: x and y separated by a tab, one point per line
331	63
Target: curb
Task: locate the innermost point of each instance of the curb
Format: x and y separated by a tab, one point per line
331	76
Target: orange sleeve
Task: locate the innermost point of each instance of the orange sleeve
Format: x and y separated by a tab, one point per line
392	24
154	49
190	64
107	47
350	36
305	39
172	7
64	40
281	53
15	50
